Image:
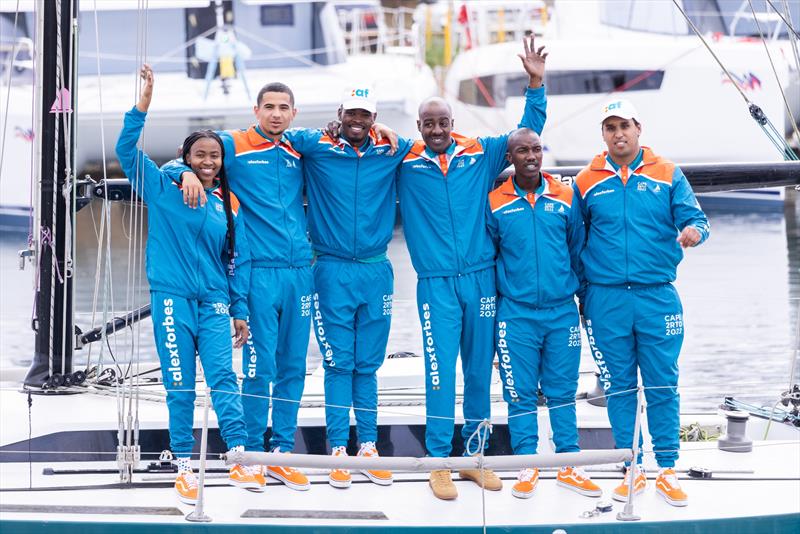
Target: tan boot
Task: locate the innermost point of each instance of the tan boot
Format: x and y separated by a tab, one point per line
442	485
491	481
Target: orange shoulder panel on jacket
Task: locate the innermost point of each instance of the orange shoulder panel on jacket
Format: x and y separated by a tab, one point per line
416	151
327	139
471	144
234	204
589	178
656	167
241	143
504	194
559	190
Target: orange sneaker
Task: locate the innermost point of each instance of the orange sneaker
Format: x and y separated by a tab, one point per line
667	486
621	492
293	478
380	477
244	477
526	483
339	478
258	471
186	487
577	480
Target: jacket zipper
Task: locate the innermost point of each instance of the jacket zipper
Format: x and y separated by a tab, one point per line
536	254
355	204
452	223
278	160
625	218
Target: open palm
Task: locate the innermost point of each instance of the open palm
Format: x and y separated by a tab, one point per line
533	60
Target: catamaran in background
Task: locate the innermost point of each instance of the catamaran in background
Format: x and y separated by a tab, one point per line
646	50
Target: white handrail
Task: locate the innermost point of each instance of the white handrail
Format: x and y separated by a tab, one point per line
405	463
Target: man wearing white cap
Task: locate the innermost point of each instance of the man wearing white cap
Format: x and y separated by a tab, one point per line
351	210
640	212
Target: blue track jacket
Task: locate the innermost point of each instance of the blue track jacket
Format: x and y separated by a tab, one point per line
268	178
539	239
443	198
186	248
633	216
351	193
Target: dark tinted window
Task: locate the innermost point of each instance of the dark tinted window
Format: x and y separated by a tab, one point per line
492	91
478	91
277	15
602	81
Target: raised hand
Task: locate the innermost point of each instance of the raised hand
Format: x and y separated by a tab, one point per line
533	61
146	94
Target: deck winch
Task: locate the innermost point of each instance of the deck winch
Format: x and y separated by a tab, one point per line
735	440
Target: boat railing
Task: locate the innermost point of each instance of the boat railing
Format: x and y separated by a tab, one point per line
17	57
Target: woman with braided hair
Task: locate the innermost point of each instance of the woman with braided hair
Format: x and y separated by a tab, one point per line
198	267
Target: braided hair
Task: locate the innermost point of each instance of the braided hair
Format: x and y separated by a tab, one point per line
223	183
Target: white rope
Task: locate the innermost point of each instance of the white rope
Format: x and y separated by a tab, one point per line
482	435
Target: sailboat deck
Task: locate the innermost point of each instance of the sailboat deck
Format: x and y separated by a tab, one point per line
760	491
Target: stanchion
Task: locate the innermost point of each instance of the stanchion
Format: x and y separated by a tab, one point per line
627	513
197	516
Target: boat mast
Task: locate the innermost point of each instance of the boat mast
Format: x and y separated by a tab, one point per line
55	149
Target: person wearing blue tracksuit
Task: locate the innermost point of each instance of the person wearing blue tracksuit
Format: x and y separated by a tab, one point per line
198	267
266	173
539	234
443	185
639	212
351	211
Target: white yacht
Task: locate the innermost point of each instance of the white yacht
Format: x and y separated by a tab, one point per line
690	109
253	41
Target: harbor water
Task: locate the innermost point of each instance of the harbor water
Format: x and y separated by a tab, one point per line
740	292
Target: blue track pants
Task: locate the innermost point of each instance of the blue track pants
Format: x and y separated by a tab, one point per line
275	354
456	312
640	328
185	328
539	346
352	313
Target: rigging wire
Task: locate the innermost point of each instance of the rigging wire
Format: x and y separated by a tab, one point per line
775	72
8	91
788	22
756	112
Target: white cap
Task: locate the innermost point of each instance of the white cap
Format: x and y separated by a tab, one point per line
618	108
359	97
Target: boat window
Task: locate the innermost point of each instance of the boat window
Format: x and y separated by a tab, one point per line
602	81
478	91
493	90
654	17
734	17
727	17
277	15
